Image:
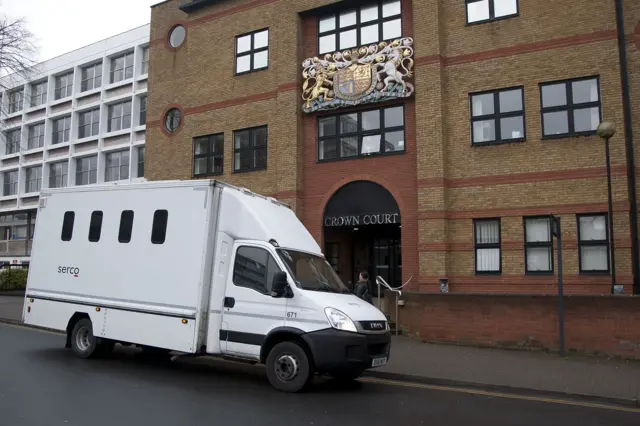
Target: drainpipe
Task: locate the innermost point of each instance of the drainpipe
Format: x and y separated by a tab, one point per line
628	140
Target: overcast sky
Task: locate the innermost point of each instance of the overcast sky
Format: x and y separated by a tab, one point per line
64	25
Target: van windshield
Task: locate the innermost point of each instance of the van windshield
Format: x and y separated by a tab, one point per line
312	272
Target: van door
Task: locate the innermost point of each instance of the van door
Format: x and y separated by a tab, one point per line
249	311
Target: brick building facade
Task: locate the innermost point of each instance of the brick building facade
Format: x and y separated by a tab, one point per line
499	132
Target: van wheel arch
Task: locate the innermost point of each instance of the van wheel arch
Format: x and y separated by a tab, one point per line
284	334
72	323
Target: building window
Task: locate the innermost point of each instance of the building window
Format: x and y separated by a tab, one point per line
254	268
89	123
12	144
593	243
497	116
87	170
121	68
172	120
61	130
58	173
537	245
250	149
252	51
143	111
208	155
126	226
39	94
571	107
177	36
368	24
374	132
119	116
159	227
34	179
91	77
117	167
10	183
67	226
488	253
16	101
480	11
141	161
64	86
36	136
332	254
144	69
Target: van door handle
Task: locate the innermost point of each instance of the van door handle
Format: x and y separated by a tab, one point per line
229	302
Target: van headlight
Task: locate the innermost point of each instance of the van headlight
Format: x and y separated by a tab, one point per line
339	320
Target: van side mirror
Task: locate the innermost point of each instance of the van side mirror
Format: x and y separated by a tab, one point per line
279	286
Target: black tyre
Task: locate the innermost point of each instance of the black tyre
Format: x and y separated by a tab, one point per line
83	342
347	375
288	367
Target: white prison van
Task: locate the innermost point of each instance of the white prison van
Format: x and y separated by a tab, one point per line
200	268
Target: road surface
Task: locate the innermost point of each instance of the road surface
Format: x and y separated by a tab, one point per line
43	384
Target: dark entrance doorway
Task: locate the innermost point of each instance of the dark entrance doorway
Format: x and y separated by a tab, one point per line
362	228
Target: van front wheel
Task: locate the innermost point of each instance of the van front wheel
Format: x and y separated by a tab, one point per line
288	367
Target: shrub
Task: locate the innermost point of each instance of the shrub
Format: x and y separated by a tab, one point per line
13	279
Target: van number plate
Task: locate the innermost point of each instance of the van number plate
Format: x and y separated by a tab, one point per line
377	362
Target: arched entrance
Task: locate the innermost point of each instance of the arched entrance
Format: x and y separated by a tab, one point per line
362	233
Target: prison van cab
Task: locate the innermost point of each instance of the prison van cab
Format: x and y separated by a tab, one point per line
196	268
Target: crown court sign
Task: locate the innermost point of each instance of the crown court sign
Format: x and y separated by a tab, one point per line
361	203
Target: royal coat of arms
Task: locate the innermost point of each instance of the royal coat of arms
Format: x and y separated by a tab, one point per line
369	74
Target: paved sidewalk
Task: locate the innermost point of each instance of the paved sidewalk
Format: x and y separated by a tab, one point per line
492	368
461	365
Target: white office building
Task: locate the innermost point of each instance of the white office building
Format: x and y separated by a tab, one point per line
78	120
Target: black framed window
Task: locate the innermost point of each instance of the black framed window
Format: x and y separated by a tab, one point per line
144	69
141	161
370	23
142	118
91	77
39	93
61	130
254	268
159	227
332	254
58	174
64	86
481	11
95	226
570	107
593	243
10	186
250	149
34	179
487	246
87	170
252	51
121	68
117	166
16	101
497	116
67	226
126	226
12	142
36	136
366	133
119	116
89	123
208	155
538	246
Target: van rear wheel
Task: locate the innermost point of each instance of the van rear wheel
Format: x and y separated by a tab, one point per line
83	342
288	367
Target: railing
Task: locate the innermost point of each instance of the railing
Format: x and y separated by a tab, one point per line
397	290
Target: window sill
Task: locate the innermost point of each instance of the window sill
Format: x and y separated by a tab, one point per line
86	139
241	171
207	175
14	115
10	156
36	108
117	133
30	194
34	150
488	273
90	92
492	20
142	77
9	197
539	273
61	101
362	157
502	142
596	273
58	145
569	135
140	128
118	84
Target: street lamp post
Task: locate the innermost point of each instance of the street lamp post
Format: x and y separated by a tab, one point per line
606	130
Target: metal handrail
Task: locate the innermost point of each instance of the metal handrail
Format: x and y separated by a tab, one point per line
397	290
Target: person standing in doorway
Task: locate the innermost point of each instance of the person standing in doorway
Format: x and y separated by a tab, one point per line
362	287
